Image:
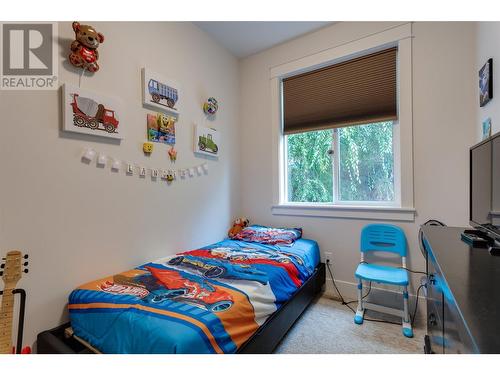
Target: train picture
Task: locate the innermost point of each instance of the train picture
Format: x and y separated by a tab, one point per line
90	113
159	92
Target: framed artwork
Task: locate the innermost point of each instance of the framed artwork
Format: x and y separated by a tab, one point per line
159	92
161	128
486	83
206	141
486	128
87	112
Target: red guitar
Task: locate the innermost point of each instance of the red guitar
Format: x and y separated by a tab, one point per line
11	274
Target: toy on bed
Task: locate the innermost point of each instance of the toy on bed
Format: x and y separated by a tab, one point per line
238	226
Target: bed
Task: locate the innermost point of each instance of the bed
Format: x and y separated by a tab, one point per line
233	296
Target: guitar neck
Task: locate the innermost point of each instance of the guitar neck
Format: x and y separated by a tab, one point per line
11	274
6	313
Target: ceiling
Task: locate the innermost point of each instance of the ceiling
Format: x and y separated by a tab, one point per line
246	38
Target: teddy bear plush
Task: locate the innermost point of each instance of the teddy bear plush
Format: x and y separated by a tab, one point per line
84	48
238	226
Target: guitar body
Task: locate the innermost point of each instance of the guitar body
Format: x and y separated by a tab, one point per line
11	274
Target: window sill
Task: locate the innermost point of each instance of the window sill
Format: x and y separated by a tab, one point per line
349	212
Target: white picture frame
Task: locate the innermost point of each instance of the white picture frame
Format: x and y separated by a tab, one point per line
159	92
206	141
88	112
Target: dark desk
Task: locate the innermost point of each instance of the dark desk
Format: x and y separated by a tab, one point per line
463	294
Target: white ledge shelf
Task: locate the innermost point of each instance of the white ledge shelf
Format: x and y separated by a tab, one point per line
348	212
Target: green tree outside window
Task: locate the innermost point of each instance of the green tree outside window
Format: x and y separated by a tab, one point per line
366	164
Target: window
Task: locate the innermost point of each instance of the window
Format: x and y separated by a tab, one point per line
365	163
309	166
363	115
342	166
340	131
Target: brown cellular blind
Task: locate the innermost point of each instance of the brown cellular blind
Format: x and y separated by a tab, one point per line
354	92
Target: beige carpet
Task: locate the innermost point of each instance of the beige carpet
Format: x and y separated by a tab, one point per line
327	327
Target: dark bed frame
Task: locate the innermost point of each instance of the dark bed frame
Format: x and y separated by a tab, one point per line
263	341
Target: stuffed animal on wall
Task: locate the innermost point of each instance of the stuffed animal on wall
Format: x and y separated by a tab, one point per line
84	48
238	226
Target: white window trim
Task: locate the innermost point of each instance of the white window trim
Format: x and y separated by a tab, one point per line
400	36
343	211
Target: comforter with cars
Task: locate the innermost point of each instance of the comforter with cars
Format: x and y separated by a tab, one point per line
209	300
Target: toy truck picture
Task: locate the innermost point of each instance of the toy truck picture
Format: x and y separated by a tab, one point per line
88	113
206	143
160	91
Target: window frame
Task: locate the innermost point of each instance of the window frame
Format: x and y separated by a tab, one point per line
403	206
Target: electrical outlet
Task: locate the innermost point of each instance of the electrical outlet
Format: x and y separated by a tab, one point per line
328	257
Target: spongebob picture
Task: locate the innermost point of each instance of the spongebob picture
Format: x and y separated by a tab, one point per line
161	128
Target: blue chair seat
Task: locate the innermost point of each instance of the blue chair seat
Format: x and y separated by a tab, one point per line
382	274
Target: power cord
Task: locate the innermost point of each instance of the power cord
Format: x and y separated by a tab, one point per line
416	305
362	298
421	243
337	289
409	270
403	268
366	295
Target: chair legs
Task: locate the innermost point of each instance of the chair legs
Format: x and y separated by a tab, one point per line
407	329
360	311
404	314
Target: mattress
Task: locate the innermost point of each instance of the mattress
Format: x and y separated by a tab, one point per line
207	300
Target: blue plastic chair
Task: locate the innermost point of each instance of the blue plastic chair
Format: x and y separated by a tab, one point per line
383	238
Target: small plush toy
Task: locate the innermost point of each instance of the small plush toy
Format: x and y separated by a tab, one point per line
84	48
238	226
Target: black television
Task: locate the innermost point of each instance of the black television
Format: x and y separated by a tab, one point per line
484	210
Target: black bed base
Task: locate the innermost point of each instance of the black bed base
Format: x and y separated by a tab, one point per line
269	335
263	341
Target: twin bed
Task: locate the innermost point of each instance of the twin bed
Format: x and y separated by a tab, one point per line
235	296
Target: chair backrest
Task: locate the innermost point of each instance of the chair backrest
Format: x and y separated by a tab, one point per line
383	237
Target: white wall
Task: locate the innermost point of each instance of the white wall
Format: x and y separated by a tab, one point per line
488	40
80	222
444	80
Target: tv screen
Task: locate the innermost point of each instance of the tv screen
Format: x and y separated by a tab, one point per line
485	185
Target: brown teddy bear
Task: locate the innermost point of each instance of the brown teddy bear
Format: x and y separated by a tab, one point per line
84	48
238	226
